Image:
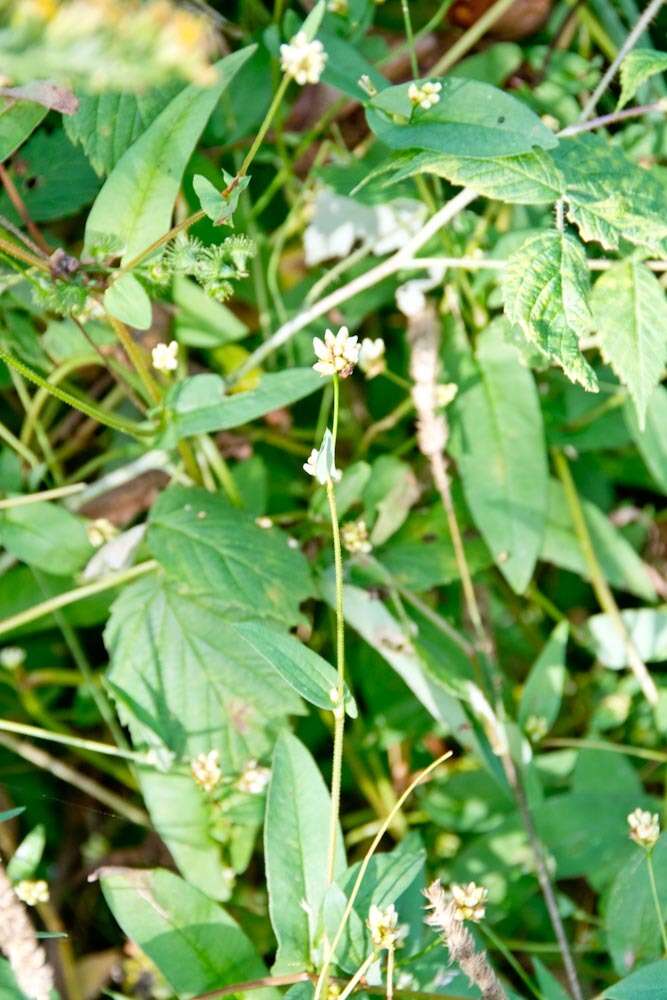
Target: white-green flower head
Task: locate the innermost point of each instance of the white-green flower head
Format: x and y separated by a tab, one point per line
337	354
321	464
302	60
165	357
425	96
205	769
383	925
644	828
32	891
371	357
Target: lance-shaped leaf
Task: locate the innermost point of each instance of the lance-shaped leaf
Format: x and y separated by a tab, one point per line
137	200
631	318
545	288
543	690
18	119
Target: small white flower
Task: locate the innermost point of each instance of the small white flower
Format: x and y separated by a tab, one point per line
425	96
383	925
367	85
354	536
205	769
337	354
445	392
536	727
644	828
371	357
303	60
338	6
264	522
254	778
100	530
32	891
321	464
470	901
12	657
165	357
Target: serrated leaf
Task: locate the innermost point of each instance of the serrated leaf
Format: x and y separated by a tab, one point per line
545	290
127	300
216	549
543	690
651	442
500	451
136	203
470	119
639	66
296	848
18	119
199	404
194	943
107	124
630	314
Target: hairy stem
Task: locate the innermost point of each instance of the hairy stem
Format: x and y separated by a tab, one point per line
656	902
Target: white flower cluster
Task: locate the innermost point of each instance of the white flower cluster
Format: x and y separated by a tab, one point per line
32	891
426	96
383	925
337	354
302	60
644	828
470	901
165	357
371	357
354	536
254	779
205	768
100	531
12	657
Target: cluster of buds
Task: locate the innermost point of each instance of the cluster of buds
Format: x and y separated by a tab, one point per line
426	96
372	357
303	60
470	901
32	891
165	357
337	354
354	536
254	778
205	769
644	828
383	925
12	657
100	531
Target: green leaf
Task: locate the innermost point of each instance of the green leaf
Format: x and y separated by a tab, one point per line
218	208
630	919
391	491
548	984
18	119
470	119
543	690
311	25
500	451
8	814
345	65
639	66
214	548
47	536
136	203
647	628
194	943
651	442
127	300
188	679
199	405
630	314
306	673
619	562
649	983
27	855
545	290
107	124
200	320
295	848
9	989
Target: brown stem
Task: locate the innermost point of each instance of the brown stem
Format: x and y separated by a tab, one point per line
19	205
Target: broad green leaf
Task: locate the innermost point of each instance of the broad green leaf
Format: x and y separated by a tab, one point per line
186	678
200	320
46	536
9	988
548	984
543	690
470	119
199	405
306	672
620	563
28	854
500	451
638	67
311	25
527	179
630	314
213	548
648	983
390	493
136	203
609	197
295	849
127	300
345	66
651	442
194	943
18	119
630	921
545	289
646	626
107	124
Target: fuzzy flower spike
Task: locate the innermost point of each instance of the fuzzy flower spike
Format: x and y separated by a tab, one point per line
302	60
644	828
337	354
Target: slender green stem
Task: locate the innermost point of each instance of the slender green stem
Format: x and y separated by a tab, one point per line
643	753
500	946
410	39
391	955
77	594
471	37
28	498
358	976
109	420
339	709
23	729
136	356
221	469
25	453
336	407
14	250
656	902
